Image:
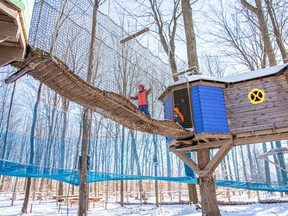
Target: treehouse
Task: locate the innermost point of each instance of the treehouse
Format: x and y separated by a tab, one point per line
241	109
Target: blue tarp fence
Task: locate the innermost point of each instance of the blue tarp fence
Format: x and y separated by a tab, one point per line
10	168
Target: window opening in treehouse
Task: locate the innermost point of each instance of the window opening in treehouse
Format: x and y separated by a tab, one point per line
256	96
181	100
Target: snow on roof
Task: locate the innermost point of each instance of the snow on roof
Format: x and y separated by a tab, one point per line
235	78
230	79
254	74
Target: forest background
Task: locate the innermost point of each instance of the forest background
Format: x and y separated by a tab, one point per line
230	38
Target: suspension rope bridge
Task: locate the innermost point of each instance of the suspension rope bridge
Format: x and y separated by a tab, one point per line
57	76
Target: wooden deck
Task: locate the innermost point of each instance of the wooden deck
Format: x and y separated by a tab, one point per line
212	141
13	39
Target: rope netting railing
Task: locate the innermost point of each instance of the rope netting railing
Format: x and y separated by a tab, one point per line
113	59
116	65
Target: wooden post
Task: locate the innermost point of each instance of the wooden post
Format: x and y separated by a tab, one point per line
207	186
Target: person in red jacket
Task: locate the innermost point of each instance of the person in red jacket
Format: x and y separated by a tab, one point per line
142	99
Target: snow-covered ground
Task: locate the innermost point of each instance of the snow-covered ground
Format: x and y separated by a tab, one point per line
49	207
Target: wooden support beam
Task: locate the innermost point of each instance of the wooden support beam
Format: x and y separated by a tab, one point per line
212	136
262	132
20	73
281	135
214	144
259	139
218	157
211	166
277	165
282	150
188	161
134	35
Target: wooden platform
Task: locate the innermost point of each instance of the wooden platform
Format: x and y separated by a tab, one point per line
212	141
13	38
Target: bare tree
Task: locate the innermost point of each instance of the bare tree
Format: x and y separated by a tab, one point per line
167	39
3	153
190	34
258	11
235	32
86	119
266	166
281	160
213	66
31	156
276	30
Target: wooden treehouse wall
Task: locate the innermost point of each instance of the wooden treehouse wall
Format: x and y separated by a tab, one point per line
243	116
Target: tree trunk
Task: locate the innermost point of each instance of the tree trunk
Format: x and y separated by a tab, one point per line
57	27
230	174
236	164
14	191
257	170
266	166
31	156
83	161
86	119
122	167
24	209
155	163
65	105
243	164
282	164
51	129
190	34
276	30
136	157
278	173
7	123
207	186
192	62
224	169
251	164
168	170
168	43
192	192
258	11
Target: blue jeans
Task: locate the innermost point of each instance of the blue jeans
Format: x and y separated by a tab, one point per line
144	108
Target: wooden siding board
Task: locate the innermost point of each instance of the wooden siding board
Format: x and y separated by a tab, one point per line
244	116
254	115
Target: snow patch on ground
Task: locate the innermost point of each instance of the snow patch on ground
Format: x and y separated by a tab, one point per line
50	207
